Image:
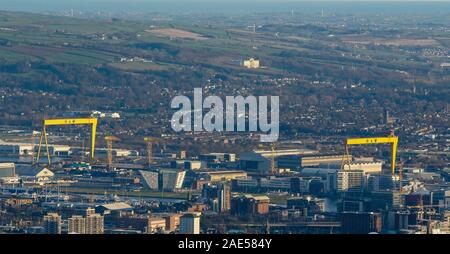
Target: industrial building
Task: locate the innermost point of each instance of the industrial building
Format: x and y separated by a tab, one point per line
115	209
186	164
315	161
7	170
218	157
366	167
22	149
260	161
255	163
102	152
222	175
34	173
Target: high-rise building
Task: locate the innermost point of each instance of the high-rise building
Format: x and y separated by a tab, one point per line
190	223
224	197
94	224
350	180
77	225
52	223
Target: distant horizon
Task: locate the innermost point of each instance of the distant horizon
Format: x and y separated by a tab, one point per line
229	6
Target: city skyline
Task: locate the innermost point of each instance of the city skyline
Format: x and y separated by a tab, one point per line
251	119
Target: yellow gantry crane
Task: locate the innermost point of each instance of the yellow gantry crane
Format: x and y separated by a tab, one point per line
109	141
67	121
391	139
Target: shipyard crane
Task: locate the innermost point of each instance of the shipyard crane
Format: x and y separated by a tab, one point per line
67	121
33	136
150	141
109	146
391	139
272	147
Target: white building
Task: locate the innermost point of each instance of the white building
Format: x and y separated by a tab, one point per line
251	63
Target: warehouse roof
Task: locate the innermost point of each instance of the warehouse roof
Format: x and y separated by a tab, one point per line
117	206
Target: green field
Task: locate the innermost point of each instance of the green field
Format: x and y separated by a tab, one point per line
139	66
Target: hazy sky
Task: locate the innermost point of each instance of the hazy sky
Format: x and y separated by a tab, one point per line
351	6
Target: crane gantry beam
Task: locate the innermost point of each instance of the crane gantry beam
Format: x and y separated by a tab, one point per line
375	140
